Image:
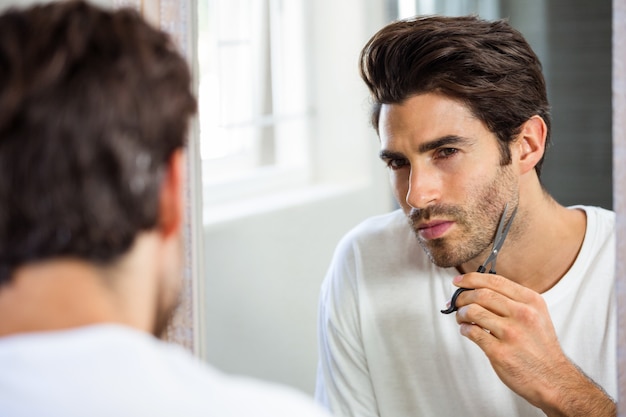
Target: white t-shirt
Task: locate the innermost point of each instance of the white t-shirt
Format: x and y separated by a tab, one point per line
114	371
386	350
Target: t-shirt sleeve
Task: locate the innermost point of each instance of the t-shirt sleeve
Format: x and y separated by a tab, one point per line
343	380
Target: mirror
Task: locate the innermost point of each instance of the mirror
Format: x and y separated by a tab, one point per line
265	255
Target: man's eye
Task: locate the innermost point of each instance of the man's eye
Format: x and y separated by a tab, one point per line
397	163
446	152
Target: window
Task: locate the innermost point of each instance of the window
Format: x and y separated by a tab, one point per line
253	104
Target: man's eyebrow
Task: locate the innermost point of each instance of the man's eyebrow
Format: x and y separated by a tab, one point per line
443	142
386	155
450	140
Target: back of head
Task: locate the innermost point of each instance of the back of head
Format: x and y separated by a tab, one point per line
92	105
487	65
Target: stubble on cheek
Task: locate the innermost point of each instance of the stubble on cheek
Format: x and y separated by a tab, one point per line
170	292
474	225
166	309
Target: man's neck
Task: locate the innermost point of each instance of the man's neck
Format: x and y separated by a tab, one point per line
543	244
53	295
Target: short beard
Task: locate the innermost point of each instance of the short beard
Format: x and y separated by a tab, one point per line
169	294
440	251
476	226
163	317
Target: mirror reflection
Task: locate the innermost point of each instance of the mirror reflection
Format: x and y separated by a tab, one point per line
300	162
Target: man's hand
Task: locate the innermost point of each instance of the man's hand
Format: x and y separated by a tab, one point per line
512	325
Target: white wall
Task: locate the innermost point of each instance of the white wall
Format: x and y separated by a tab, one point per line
264	270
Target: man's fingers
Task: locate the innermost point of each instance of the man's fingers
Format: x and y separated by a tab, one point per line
478	316
484	338
488	299
496	283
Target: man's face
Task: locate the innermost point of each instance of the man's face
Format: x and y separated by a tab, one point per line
169	288
170	262
446	174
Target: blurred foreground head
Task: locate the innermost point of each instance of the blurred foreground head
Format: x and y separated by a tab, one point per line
93	103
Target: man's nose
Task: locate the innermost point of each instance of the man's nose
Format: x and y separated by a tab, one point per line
424	187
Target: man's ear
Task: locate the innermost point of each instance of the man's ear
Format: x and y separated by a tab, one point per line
171	210
531	143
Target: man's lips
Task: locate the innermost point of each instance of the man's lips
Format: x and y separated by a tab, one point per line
434	230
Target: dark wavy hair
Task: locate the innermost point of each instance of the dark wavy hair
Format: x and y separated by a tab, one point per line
487	65
92	105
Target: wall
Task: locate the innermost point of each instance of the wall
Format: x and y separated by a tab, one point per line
573	41
579	164
263	277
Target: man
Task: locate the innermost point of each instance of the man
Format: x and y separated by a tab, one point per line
94	108
461	111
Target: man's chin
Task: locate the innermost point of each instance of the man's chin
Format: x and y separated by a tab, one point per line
163	321
443	262
442	255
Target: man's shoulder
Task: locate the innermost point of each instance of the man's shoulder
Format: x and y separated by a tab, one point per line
150	368
380	227
384	242
600	211
599	220
386	232
239	395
